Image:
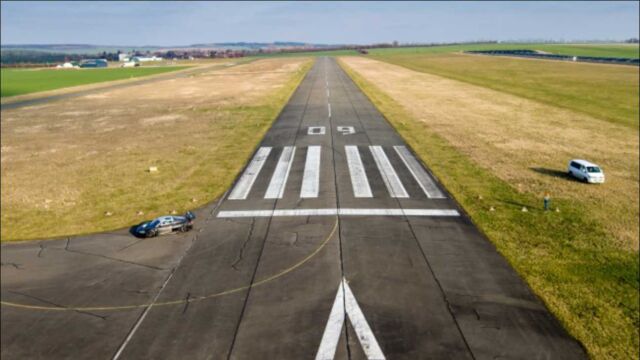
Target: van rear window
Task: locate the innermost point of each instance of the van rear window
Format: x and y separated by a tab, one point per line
575	165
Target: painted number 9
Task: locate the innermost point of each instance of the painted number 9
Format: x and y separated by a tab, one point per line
346	130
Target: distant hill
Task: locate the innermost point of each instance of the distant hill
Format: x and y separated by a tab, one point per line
94	49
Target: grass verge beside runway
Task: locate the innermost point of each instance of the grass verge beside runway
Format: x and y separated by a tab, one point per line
629	51
587	278
608	92
80	166
25	81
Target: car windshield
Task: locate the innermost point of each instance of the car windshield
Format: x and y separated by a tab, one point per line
153	224
593	169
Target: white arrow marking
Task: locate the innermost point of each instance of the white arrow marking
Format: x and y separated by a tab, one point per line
345	302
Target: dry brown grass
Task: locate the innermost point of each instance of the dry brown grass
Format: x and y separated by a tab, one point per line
66	163
513	137
183	66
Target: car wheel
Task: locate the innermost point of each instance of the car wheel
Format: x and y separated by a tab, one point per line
183	228
153	233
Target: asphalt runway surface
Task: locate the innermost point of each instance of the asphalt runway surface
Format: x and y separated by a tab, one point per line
334	243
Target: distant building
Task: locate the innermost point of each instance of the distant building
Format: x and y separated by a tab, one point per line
123	57
145	59
93	63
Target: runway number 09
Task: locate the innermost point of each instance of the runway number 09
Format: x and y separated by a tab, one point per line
321	130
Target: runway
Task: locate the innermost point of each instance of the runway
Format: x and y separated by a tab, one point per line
335	242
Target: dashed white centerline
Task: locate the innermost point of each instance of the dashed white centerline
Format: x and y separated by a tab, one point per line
389	176
243	187
359	181
311	176
418	172
329	108
280	175
336	211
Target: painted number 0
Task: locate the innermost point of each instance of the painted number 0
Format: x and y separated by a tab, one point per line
316	130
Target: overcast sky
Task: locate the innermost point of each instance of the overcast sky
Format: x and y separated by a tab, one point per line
172	23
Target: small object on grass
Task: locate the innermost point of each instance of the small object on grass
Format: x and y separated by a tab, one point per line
492	209
524	209
173	212
139	213
194	200
547	200
479	197
557	209
108	213
153	169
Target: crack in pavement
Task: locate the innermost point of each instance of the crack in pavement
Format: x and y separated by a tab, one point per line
103	317
41	250
244	245
15	265
66	248
186	303
137	241
112	259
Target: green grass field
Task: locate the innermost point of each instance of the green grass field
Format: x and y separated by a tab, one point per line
609	92
589	283
19	82
601	50
311	53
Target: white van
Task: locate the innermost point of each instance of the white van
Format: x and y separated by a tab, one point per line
585	171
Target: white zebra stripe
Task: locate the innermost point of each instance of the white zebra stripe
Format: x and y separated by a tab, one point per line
243	187
359	181
280	175
424	180
311	176
389	176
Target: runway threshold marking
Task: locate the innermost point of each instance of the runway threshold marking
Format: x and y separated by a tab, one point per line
389	176
281	173
419	173
311	176
242	188
359	181
345	302
336	211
